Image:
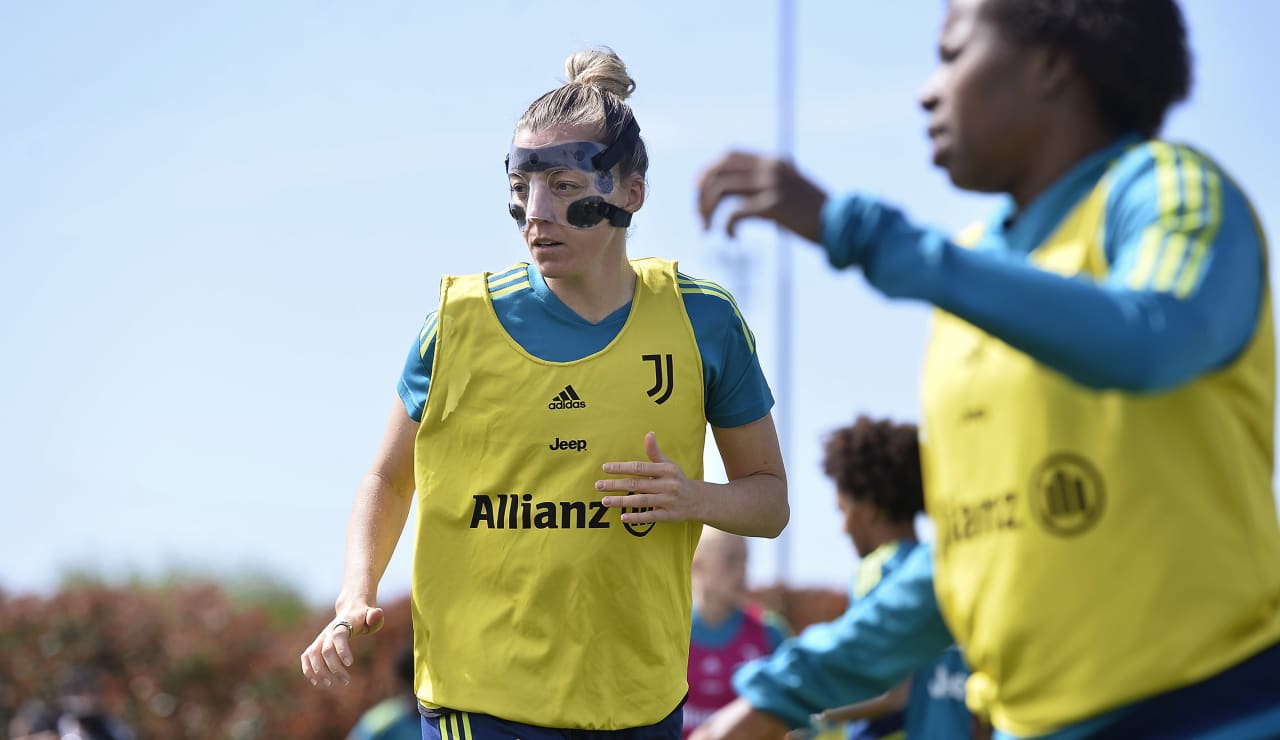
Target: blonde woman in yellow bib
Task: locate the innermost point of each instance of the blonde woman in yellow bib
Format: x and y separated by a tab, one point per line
552	418
1098	397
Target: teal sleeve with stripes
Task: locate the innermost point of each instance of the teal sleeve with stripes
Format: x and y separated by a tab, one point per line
736	390
415	379
1182	298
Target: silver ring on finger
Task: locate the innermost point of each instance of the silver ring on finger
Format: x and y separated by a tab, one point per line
344	623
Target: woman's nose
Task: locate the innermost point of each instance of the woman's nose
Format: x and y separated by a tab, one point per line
541	205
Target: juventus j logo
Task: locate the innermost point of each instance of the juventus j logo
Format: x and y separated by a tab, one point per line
663	380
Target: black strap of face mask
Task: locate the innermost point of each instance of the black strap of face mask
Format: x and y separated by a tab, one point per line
616	216
604	161
585	213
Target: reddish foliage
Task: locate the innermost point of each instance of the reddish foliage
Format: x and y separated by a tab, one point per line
186	661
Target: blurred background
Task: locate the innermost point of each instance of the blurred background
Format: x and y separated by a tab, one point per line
221	226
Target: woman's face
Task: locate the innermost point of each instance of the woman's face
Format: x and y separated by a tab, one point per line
983	110
858	518
720	569
553	190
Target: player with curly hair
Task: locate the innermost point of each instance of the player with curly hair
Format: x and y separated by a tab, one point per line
875	466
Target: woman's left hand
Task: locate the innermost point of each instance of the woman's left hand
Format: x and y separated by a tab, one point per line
659	490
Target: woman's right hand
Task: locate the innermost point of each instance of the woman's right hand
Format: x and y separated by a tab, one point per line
327	658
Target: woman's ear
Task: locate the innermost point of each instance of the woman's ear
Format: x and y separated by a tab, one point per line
633	192
1053	71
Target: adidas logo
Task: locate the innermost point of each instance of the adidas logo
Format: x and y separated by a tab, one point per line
567	399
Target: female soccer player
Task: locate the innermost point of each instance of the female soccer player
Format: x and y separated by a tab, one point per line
552	417
1099	394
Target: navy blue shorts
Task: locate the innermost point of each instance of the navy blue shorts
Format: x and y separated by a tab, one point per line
449	724
1241	702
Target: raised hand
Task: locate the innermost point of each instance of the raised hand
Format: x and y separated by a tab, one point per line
770	188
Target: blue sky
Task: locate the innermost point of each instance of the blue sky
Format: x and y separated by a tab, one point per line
222	224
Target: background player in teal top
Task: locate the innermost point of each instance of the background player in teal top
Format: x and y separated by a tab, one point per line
1035	99
736	390
875	466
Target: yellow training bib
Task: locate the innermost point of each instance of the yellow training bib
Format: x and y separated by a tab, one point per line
1095	548
531	601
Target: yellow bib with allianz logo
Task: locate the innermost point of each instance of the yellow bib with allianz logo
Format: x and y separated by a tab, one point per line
1096	547
531	601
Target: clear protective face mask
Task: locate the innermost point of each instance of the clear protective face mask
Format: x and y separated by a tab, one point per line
582	156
